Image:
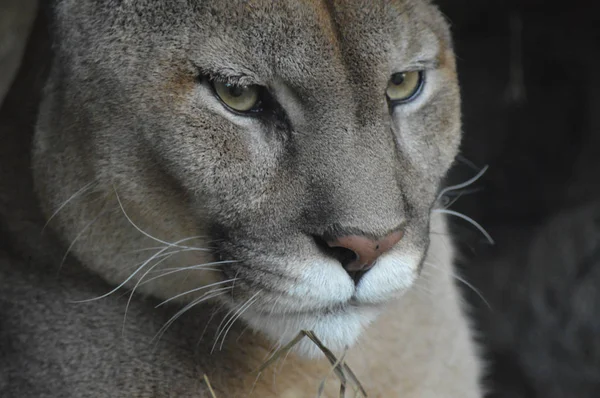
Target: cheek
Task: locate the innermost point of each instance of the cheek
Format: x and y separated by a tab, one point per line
445	123
222	163
430	137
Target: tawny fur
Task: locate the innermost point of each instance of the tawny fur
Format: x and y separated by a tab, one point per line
131	151
416	349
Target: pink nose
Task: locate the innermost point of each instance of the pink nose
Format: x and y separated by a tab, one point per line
367	250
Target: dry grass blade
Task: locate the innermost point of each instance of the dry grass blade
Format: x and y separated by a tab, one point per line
280	352
210	389
342	390
342	387
339	371
344	368
355	380
339	368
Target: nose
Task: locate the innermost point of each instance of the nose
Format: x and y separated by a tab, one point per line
366	250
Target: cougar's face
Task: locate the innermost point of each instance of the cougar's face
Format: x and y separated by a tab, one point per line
306	139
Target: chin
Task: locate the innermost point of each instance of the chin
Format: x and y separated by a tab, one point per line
327	302
337	329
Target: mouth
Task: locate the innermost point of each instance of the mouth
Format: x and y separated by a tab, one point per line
356	276
320	286
349	306
338	327
313	291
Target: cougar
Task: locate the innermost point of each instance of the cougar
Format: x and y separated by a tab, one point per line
233	198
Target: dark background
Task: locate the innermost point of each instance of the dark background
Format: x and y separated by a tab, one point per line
530	74
529	71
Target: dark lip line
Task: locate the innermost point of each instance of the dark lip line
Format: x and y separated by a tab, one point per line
247	286
352	303
343	307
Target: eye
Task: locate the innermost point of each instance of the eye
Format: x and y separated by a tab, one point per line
238	98
404	86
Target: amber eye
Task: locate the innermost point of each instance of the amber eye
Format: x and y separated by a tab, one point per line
404	86
238	98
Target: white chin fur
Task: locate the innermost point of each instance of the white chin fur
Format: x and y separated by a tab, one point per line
391	276
336	331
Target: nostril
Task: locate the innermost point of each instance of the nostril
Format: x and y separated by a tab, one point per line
343	255
366	249
357	253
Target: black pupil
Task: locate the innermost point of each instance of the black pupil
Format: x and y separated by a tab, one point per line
398	78
235	91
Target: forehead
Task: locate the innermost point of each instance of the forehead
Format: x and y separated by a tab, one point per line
331	34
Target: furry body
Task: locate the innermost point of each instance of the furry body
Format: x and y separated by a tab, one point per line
130	146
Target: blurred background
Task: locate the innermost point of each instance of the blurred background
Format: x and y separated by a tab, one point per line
530	73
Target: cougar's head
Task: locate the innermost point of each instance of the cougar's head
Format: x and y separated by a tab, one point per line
298	146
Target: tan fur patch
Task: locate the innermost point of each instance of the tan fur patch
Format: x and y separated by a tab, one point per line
447	61
179	84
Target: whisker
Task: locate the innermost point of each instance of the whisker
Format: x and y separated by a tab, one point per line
468	219
463	281
162	253
147	249
237	316
166	253
132	275
464	160
451	202
201	267
138	283
198	266
214	312
207	296
244	330
275	303
155	278
174	272
469	191
236	277
66	202
79	235
145	274
170	244
464	184
223	321
236	309
161	247
194	291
